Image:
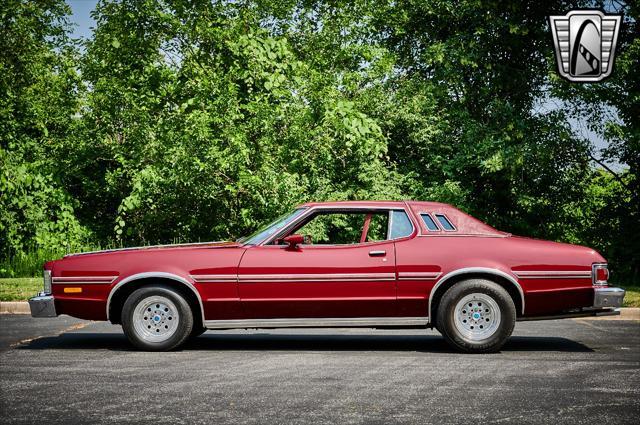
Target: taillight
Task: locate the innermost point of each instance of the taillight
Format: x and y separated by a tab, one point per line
47	282
600	274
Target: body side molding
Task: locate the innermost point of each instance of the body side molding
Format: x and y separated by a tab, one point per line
317	322
476	270
83	280
162	275
553	274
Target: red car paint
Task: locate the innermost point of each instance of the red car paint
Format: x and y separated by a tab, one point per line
236	281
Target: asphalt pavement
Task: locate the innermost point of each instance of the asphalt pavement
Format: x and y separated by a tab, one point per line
69	371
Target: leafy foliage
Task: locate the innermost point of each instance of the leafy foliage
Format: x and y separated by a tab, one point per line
39	95
181	120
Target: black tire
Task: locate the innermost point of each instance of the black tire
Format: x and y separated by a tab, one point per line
454	332
197	331
144	339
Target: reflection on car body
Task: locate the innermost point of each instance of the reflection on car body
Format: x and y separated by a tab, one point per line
337	264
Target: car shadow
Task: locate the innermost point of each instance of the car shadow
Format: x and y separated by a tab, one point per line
300	342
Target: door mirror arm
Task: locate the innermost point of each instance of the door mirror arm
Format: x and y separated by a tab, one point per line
293	241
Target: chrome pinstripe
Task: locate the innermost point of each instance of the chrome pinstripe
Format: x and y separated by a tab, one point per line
329	277
419	275
211	278
84	280
319	277
553	274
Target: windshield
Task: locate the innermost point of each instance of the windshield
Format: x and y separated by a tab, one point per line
270	229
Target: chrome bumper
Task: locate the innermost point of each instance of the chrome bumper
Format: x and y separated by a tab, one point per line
605	302
606	297
42	305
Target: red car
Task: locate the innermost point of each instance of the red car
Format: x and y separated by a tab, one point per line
336	264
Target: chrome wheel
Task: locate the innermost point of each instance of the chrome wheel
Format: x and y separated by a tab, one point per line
477	316
155	318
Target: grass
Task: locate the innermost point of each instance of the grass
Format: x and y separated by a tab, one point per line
27	263
19	289
632	297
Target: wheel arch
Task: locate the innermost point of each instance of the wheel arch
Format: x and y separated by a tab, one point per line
503	279
128	285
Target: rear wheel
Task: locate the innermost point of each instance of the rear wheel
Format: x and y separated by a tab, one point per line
197	331
476	316
156	318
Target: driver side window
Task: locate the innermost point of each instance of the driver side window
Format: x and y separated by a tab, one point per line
346	228
334	228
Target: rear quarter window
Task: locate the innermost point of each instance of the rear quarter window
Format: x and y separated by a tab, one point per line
445	223
429	222
400	225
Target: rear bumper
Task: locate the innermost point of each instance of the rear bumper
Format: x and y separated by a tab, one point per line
606	297
605	302
43	305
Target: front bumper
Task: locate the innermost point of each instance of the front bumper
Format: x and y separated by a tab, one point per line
606	297
42	305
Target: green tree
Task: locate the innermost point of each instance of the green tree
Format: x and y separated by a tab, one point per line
188	120
611	109
200	123
38	100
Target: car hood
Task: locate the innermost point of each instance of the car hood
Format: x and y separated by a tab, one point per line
216	244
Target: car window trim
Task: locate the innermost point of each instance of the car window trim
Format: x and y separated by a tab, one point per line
438	229
390	224
345	208
455	229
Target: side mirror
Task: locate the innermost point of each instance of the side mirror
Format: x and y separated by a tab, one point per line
293	241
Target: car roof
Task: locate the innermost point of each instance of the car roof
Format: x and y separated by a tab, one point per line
463	223
369	204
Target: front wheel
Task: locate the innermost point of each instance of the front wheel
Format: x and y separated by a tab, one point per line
476	316
156	318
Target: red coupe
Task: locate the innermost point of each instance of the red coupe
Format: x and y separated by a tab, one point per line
338	264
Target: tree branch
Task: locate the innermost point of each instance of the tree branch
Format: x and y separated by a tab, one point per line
613	173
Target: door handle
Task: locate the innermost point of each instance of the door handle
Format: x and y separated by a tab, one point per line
377	253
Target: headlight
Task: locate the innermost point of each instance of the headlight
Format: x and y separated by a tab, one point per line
47	282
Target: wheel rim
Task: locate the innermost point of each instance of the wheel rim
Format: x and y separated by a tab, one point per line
477	316
156	319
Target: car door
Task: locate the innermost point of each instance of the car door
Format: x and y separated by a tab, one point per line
419	264
319	280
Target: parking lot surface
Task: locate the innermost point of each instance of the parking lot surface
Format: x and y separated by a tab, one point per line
68	371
